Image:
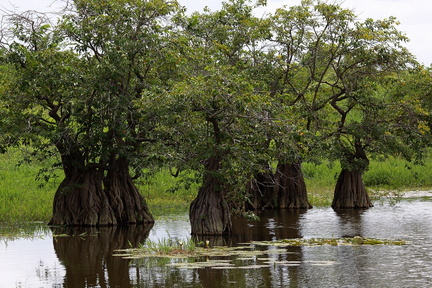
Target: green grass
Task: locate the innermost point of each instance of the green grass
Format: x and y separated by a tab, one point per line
21	196
168	246
166	194
22	199
394	173
391	174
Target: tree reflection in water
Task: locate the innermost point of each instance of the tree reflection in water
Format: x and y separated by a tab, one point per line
86	253
153	272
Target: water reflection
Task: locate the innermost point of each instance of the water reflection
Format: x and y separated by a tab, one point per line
86	253
349	222
278	224
84	258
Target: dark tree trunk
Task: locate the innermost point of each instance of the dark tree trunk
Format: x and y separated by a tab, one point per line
291	187
350	191
88	198
80	200
209	212
128	205
261	191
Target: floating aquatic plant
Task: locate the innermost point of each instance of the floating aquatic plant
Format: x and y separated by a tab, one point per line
357	240
253	255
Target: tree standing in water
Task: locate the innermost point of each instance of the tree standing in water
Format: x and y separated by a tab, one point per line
375	55
330	70
77	87
217	111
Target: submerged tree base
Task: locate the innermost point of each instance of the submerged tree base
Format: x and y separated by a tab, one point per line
291	186
88	198
350	191
209	213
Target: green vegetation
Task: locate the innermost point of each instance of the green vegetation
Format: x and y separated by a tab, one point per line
23	198
167	247
257	254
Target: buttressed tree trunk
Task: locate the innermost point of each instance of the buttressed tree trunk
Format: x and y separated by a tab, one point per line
291	187
128	205
88	198
350	191
209	212
80	200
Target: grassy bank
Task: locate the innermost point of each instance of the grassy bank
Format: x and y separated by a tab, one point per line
23	199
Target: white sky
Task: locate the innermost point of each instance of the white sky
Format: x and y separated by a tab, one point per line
415	15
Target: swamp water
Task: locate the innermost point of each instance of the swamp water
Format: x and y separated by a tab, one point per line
84	257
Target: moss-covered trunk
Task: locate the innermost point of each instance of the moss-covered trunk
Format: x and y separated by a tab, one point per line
209	213
291	187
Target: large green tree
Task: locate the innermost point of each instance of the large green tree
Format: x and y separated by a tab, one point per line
307	41
216	114
77	87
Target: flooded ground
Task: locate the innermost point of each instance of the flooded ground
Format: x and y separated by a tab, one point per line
84	257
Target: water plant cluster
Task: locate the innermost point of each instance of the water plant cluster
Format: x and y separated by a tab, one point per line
347	241
167	247
253	255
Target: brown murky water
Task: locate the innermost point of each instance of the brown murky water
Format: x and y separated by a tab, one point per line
86	258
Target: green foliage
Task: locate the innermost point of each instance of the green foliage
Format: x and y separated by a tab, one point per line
214	113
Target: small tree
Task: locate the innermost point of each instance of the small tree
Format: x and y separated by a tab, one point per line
308	39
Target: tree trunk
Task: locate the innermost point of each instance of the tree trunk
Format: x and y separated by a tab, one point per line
88	198
128	205
350	191
80	200
291	187
209	212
